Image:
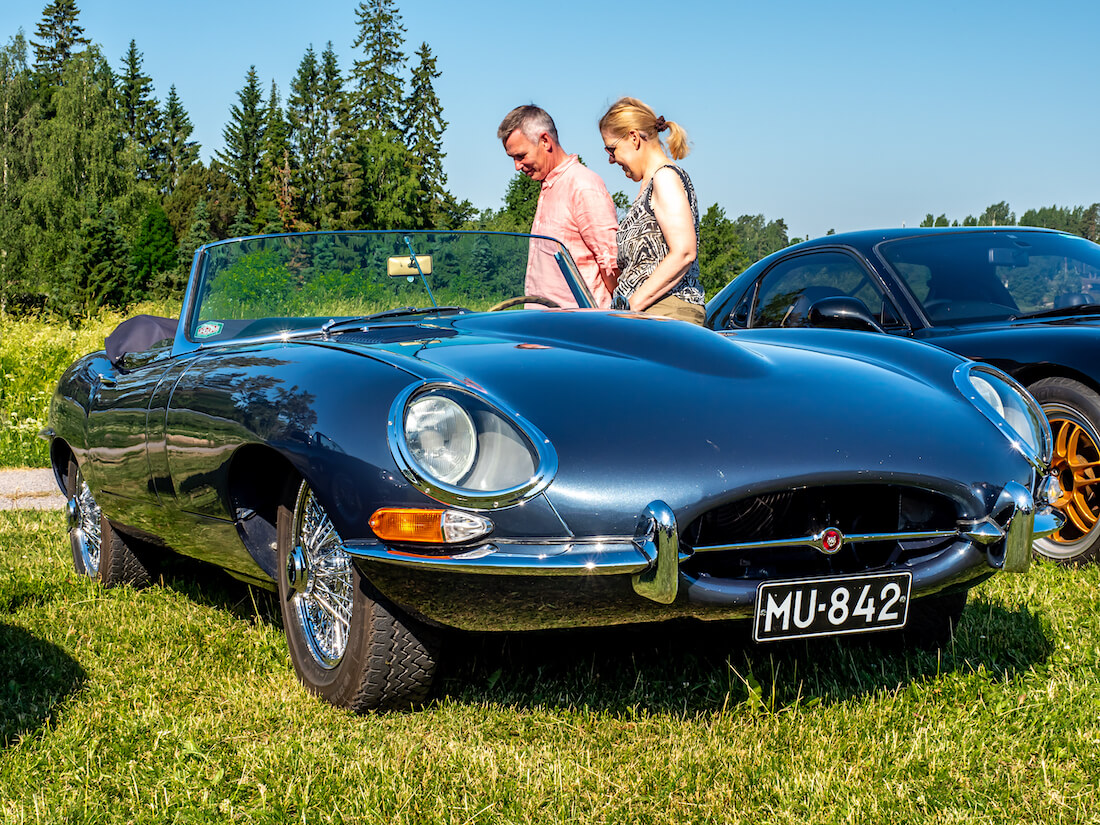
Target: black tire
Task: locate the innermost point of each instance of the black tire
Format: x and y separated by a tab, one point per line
930	624
350	647
932	620
99	552
1073	411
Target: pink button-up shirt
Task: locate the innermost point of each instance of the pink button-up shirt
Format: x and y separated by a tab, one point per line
575	208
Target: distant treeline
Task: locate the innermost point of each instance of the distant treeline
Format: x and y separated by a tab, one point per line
1080	220
104	198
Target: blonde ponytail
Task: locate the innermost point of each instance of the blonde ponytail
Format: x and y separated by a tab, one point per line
629	114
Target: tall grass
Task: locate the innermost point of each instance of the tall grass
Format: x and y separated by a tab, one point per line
33	355
178	704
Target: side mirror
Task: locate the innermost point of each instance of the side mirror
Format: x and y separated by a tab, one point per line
842	312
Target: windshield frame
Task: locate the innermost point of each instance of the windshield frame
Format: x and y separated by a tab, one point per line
186	339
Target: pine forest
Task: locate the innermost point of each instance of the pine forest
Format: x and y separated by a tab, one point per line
104	197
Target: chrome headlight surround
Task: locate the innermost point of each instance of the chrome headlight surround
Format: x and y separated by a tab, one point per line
1010	408
507	462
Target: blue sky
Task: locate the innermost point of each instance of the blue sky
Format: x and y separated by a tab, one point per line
840	116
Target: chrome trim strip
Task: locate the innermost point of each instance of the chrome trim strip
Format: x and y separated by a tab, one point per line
1038	459
576	559
815	540
985	531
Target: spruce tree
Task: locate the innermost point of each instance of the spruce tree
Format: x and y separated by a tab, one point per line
153	257
139	112
377	87
176	153
244	135
380	170
59	38
276	187
209	183
100	264
314	115
305	136
241	226
197	235
332	112
19	120
424	127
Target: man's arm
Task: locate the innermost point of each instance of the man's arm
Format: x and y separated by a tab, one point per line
597	223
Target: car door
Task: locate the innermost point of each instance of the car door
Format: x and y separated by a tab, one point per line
117	433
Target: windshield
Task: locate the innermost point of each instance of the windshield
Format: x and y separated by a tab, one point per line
972	276
282	283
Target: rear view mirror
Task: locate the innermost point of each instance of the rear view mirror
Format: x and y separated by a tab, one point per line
401	266
1004	256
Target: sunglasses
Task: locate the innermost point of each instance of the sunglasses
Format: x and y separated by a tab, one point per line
611	149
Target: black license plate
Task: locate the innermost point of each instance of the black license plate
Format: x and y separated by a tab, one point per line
828	607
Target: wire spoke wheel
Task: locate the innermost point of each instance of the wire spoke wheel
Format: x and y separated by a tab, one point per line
323	581
99	551
348	644
85	525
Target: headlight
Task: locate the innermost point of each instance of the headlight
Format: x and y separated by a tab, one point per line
441	437
460	448
1009	407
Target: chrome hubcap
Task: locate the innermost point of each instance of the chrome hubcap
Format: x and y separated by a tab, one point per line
85	526
319	572
297	572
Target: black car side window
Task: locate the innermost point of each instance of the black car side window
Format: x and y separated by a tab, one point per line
787	291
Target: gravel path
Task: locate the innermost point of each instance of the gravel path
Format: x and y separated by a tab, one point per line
29	490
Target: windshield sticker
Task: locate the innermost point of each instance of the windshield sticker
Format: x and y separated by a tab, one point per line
208	329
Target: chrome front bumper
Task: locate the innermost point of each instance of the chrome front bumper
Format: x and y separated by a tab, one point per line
653	556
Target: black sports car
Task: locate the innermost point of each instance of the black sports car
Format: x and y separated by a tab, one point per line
1025	300
352	419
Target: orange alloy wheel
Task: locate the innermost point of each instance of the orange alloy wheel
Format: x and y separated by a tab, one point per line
1076	458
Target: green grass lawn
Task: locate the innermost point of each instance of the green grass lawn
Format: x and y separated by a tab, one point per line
178	704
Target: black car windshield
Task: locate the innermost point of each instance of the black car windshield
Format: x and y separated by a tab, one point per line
986	276
278	284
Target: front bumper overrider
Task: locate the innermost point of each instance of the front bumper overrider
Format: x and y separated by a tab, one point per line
653	556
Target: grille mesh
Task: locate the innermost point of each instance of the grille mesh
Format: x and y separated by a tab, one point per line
792	514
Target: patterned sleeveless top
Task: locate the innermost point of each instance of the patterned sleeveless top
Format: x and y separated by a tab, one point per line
642	245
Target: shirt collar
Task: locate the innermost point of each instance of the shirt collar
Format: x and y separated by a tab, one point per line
558	171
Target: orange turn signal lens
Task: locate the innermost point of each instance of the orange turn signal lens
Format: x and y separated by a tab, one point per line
407	524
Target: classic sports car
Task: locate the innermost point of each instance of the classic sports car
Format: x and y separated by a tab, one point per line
351	419
1025	300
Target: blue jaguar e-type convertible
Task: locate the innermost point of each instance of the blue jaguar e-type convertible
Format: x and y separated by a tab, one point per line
356	421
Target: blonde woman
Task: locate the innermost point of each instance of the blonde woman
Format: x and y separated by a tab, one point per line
658	238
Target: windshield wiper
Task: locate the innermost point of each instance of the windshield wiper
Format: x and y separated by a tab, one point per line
1076	309
333	324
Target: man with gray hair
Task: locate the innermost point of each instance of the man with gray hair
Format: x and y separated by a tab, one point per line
574	207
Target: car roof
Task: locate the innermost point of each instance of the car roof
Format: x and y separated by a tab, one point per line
866	238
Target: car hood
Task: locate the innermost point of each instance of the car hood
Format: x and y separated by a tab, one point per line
1015	346
639	408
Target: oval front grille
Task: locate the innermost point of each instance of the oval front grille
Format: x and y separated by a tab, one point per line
790	516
